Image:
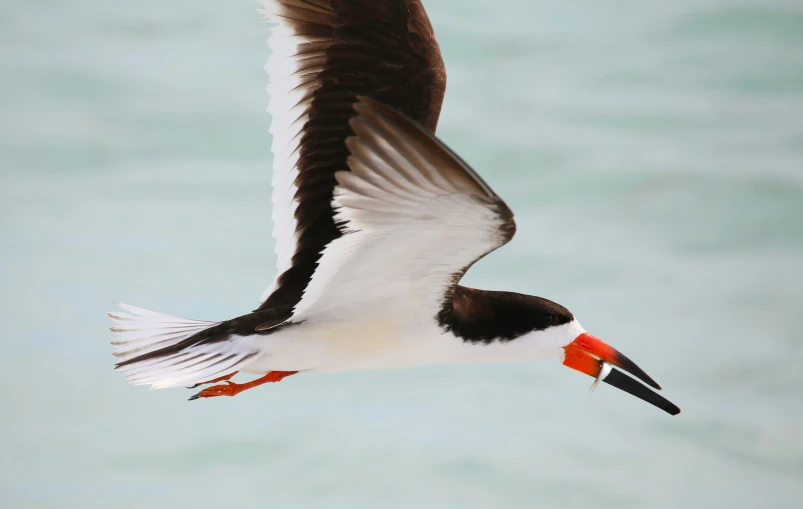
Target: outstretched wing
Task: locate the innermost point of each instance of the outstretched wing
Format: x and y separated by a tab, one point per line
414	217
324	54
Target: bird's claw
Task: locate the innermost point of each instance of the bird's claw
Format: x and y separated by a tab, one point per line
230	389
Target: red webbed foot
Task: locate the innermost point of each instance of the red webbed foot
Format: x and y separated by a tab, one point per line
232	389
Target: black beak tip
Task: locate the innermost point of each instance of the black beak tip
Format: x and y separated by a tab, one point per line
623	382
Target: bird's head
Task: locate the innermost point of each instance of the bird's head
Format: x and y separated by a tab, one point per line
518	326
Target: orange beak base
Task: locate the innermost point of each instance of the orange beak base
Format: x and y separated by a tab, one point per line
586	355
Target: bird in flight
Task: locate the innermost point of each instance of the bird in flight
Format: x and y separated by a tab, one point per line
375	222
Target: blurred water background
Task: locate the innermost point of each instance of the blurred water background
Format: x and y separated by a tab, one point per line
653	154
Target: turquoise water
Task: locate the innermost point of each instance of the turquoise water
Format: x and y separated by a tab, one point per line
658	145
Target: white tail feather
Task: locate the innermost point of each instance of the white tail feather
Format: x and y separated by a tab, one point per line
144	331
140	331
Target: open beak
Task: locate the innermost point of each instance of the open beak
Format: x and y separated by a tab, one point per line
592	356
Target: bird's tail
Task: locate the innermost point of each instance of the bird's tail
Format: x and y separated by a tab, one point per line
158	349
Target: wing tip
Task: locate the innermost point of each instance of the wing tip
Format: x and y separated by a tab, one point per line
373	117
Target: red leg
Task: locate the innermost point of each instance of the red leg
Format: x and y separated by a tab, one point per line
216	380
232	389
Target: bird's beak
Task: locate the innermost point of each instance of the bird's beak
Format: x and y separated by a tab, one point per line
592	356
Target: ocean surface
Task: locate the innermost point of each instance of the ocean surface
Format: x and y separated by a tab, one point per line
651	150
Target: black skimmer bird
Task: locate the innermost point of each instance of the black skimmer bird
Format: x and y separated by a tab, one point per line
375	222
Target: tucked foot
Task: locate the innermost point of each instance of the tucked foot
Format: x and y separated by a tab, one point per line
227	389
232	389
216	380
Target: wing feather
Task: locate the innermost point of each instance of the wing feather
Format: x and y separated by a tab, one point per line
324	53
407	241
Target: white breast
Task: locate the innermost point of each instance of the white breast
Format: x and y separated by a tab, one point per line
392	340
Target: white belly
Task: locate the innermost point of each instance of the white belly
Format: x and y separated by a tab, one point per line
384	341
333	346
